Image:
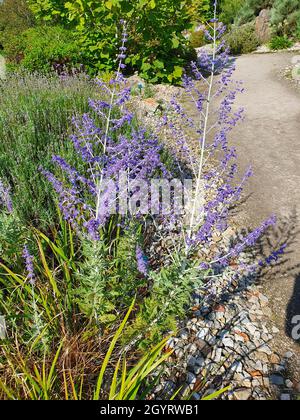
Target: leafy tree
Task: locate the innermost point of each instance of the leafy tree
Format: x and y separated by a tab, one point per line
200	10
156	47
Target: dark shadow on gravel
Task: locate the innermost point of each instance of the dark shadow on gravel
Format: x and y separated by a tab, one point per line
286	232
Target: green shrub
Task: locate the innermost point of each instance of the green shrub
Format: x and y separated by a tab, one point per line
157	48
251	9
12	235
35	120
199	10
197	39
280	43
15	17
242	40
297	33
42	49
107	284
285	17
229	10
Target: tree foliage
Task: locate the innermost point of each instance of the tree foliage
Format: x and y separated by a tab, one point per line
156	48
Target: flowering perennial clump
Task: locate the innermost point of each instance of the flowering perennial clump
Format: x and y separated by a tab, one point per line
109	142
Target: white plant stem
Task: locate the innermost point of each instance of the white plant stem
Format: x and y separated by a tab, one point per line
205	129
108	122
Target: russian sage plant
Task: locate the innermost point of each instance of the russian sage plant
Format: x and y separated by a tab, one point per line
115	144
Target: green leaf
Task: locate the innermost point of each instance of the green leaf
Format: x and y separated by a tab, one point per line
170	78
146	66
109	352
175	43
216	394
158	64
177	73
152	4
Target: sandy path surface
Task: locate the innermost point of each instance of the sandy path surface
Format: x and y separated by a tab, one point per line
269	139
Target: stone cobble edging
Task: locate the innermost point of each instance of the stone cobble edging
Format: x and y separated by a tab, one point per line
229	345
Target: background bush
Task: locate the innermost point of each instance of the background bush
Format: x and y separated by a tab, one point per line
44	48
229	10
285	17
285	14
197	39
15	17
242	40
251	9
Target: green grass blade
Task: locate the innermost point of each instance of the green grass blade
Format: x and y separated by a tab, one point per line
109	352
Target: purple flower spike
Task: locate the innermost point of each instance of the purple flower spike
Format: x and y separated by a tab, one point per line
142	262
28	258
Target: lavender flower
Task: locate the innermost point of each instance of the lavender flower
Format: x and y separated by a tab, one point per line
115	145
248	241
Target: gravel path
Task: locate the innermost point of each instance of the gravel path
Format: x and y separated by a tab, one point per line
269	139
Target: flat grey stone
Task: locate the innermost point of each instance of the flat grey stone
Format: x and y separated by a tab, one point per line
191	378
243	394
277	380
285	397
289	355
228	342
202	333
